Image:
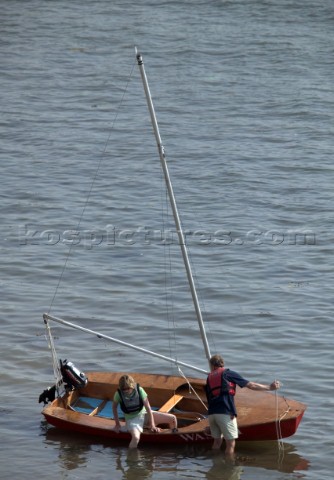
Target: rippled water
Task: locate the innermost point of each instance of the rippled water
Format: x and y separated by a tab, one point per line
244	97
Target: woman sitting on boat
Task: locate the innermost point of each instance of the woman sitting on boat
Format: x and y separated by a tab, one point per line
137	411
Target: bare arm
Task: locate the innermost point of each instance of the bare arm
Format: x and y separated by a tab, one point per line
116	418
150	416
275	385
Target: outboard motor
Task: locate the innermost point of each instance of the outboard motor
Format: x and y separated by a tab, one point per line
48	395
72	376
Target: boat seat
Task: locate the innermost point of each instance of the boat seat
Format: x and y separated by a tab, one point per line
98	408
190	415
171	402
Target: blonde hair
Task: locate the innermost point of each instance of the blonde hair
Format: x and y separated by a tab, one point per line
217	361
126	381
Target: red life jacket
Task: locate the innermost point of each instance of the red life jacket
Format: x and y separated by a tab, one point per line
217	383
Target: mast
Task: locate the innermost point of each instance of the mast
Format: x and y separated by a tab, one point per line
173	205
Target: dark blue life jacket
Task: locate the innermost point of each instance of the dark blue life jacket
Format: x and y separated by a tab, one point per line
131	404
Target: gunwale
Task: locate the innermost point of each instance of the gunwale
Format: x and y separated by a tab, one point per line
258	412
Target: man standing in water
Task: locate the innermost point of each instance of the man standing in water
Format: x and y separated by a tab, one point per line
220	390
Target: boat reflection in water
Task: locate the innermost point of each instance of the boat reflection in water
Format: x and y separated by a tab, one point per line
77	452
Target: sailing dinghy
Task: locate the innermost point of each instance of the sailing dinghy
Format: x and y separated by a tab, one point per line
83	402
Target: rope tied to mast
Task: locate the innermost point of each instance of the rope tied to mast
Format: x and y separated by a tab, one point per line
191	388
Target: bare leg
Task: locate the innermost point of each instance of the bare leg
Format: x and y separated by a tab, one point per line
217	443
160	417
230	446
135	437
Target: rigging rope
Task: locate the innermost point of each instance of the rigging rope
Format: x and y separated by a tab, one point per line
191	388
60	388
91	187
56	364
279	418
167	242
165	215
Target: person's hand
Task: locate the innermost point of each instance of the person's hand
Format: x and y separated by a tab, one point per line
117	428
155	429
275	385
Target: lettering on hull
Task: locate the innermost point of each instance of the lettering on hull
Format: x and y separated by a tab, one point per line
195	437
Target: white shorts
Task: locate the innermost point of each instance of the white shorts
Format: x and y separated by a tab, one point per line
223	425
136	423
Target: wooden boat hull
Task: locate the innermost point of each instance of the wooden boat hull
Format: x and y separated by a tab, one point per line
261	415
